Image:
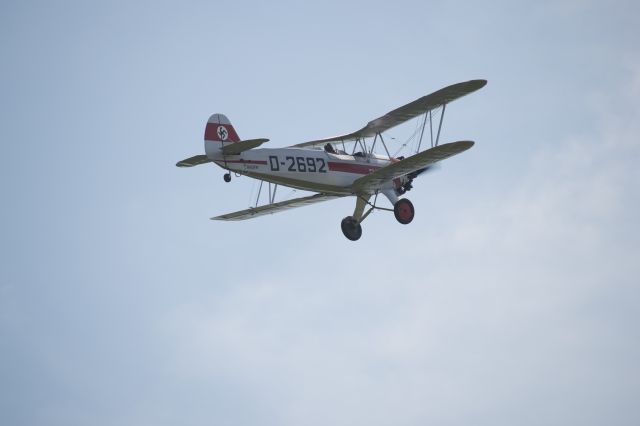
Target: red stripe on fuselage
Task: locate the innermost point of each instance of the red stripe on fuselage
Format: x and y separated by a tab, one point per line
241	161
361	169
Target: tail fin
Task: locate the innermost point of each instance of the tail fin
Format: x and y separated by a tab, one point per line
218	133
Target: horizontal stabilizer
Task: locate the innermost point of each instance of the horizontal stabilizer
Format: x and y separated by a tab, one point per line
252	212
193	161
238	147
372	181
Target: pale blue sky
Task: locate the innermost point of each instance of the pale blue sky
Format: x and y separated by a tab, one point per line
512	298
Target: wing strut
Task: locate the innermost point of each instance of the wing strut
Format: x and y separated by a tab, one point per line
259	191
428	116
272	192
374	143
384	145
272	197
424	123
444	107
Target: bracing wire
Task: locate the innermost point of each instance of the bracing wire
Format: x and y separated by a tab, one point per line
411	140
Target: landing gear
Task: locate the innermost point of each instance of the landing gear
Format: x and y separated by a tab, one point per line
227	177
351	225
404	211
351	228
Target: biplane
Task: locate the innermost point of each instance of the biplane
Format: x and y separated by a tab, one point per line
338	166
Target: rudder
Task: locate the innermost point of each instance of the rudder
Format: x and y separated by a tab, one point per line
218	131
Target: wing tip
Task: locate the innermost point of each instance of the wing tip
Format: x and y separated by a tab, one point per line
476	84
463	144
225	217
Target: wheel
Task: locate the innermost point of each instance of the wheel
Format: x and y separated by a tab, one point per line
351	228
227	177
404	211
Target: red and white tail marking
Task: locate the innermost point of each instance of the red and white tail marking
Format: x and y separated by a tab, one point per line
219	129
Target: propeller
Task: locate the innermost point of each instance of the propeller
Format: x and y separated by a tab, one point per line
411	176
429	169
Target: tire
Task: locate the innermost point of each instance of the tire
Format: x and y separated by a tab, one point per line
351	228
404	211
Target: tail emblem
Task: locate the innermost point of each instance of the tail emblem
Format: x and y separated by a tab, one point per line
222	133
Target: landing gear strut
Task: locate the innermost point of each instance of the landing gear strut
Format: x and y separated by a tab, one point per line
350	225
227	177
403	211
351	228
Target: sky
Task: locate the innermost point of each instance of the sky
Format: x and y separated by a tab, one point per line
512	298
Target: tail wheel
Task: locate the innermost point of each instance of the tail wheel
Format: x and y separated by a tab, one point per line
351	228
404	211
227	177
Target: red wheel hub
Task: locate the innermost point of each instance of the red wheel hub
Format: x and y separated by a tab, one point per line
404	211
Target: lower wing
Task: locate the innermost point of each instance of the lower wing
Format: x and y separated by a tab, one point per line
371	182
252	212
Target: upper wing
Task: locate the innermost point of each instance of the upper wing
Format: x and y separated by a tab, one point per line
275	207
373	181
241	146
407	112
193	161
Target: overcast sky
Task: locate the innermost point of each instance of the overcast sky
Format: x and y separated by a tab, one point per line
513	298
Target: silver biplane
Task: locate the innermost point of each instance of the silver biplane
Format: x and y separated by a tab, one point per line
327	167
